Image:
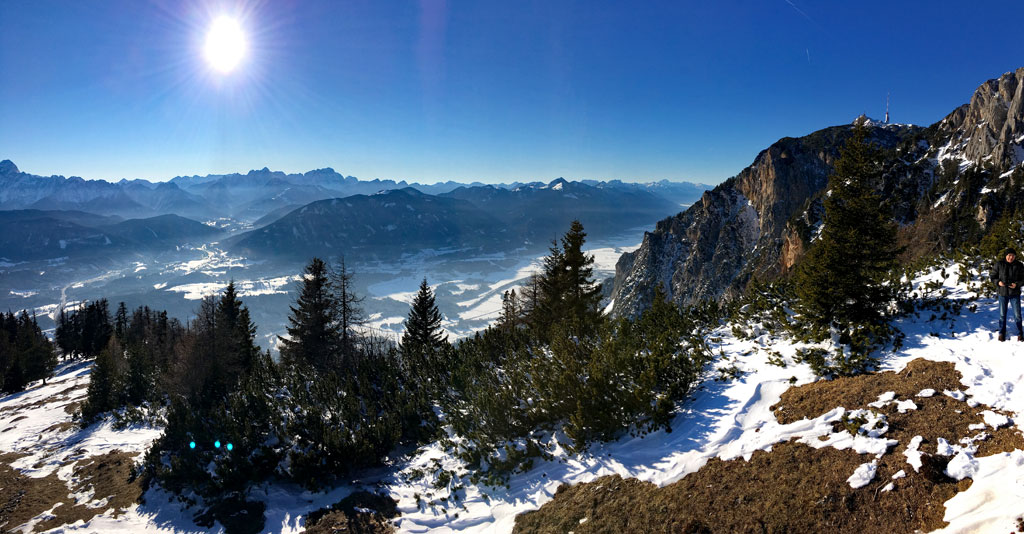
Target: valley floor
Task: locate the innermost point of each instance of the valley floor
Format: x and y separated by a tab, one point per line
728	420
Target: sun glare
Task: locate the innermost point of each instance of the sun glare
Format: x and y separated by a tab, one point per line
225	45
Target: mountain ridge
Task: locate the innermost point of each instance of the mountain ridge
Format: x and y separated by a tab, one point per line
759	223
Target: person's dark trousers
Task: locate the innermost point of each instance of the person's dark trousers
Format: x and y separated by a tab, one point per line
1004	302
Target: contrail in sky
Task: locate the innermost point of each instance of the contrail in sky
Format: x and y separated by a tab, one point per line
798	10
805	15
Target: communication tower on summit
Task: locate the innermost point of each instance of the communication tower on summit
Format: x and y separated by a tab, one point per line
887	108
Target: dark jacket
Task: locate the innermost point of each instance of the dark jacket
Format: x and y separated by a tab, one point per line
1008	273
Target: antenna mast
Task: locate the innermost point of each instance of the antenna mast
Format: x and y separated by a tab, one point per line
887	108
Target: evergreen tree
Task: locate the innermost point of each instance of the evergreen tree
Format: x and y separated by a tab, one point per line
234	342
38	351
423	325
62	334
583	294
86	331
550	291
96	328
314	333
104	382
121	320
424	344
842	281
566	290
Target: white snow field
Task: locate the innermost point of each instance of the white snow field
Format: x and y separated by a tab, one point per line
726	420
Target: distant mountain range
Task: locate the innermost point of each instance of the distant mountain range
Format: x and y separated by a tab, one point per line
484	218
247	197
43	234
367	227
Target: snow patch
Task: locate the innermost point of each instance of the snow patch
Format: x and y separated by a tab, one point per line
864	474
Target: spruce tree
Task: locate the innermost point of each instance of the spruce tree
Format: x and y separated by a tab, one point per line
96	328
121	321
40	356
234	341
423	341
550	292
583	294
423	325
104	382
842	281
314	333
566	290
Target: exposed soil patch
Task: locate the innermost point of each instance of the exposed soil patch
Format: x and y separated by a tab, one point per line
61	395
107	477
71	407
360	513
22	497
796	488
61	427
67	392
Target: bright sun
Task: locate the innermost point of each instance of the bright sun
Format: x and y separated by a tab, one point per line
225	45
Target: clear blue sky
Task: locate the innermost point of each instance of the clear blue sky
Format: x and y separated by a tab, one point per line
475	90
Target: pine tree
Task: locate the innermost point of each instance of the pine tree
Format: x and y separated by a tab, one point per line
424	343
62	335
104	382
314	332
95	328
236	350
584	295
566	290
12	360
842	281
40	356
423	325
121	321
550	292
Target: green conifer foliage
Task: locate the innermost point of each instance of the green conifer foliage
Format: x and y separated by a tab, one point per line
424	348
423	325
104	381
842	283
314	334
25	352
566	290
234	341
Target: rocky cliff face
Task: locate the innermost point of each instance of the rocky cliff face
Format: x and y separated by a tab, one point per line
990	127
758	224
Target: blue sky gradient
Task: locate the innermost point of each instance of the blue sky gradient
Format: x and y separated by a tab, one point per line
475	90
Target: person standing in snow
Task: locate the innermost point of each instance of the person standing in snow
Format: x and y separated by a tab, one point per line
1008	275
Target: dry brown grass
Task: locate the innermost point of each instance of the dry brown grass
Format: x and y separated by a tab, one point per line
343	517
22	497
796	488
109	476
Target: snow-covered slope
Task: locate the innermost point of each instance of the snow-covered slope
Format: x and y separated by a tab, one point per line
727	420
